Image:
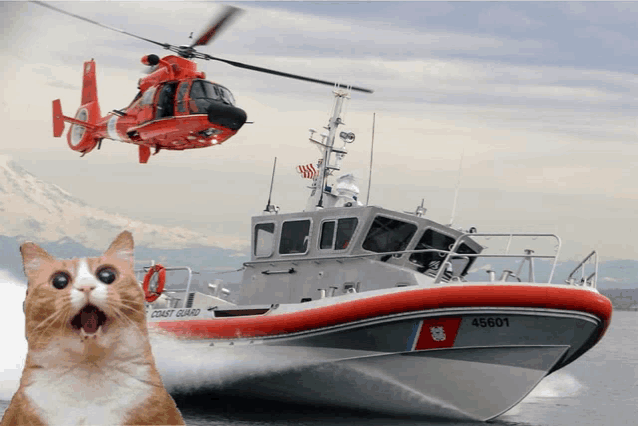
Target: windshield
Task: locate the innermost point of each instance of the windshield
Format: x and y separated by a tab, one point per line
203	89
388	235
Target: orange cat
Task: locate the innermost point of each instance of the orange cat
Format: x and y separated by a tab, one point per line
89	360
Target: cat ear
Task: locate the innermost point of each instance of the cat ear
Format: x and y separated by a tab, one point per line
33	257
122	247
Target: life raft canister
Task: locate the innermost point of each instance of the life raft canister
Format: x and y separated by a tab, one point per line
161	279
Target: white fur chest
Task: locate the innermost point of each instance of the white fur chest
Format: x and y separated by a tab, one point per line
81	397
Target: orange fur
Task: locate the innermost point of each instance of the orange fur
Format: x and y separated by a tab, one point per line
108	374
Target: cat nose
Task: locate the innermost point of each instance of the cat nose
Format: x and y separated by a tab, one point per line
86	288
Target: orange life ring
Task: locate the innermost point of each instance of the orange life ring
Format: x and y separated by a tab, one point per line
161	279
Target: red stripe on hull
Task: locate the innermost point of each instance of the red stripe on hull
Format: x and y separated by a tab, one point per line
516	296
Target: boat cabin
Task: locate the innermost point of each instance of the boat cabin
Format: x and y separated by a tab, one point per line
299	257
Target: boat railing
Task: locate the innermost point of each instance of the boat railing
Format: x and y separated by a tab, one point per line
585	280
171	293
527	257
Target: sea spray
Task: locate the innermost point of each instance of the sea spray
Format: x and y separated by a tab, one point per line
558	385
196	366
14	344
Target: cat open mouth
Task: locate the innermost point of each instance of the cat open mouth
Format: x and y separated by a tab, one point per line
89	320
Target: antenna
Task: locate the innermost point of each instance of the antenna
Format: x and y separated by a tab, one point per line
270	208
371	153
456	191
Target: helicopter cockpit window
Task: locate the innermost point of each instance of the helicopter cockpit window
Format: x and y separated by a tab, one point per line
147	97
387	235
197	90
202	94
211	93
226	95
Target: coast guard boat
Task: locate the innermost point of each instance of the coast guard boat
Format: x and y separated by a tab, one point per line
363	307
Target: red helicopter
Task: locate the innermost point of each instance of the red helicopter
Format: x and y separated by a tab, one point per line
176	108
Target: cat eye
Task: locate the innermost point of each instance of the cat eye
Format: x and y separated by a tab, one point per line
60	280
107	275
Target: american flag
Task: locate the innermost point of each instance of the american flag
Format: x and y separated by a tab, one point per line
308	171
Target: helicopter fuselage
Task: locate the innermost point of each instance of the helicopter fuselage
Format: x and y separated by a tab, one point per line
175	109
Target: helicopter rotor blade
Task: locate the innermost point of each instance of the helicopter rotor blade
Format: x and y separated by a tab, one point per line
41	3
224	19
282	74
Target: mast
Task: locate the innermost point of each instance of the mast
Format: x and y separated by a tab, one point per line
332	156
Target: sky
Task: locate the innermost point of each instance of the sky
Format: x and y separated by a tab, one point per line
536	101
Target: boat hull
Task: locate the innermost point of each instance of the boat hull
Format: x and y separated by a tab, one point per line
465	361
446	383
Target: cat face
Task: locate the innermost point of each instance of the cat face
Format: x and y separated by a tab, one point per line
82	303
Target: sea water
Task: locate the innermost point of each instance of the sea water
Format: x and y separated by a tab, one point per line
600	388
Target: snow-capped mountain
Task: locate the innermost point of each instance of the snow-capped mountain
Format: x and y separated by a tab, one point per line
36	210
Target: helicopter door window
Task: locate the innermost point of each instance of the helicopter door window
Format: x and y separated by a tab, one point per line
295	235
181	97
166	100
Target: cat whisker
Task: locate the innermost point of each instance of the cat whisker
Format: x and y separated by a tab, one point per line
120	315
47	323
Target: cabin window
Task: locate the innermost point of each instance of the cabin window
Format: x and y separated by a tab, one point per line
181	97
327	234
294	237
431	261
431	239
264	239
388	235
147	97
340	235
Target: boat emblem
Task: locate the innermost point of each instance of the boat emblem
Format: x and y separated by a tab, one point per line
438	334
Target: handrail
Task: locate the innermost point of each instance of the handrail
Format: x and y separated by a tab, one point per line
392	253
459	240
447	254
592	279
